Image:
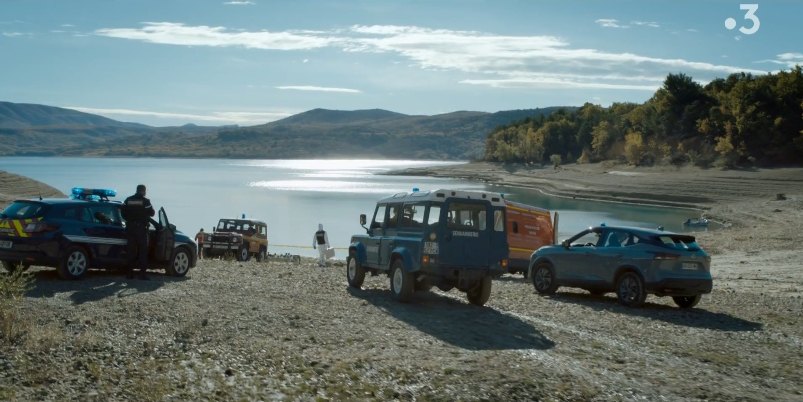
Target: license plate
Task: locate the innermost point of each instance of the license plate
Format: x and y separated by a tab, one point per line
431	247
5	244
689	265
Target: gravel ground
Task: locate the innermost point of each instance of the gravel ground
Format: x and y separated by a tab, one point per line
278	330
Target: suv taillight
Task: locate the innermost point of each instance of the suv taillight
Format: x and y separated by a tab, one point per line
39	227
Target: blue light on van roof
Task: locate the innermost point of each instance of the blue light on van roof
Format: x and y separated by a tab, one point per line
415	189
92	194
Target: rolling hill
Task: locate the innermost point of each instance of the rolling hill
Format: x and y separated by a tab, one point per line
27	129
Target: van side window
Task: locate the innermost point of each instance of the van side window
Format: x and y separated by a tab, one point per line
434	214
515	227
466	216
379	216
394	211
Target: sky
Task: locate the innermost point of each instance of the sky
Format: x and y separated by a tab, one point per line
248	62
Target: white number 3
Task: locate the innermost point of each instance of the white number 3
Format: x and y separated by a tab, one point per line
750	15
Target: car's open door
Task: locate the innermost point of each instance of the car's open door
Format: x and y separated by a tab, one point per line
165	238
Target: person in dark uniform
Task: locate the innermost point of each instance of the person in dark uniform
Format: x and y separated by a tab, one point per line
137	211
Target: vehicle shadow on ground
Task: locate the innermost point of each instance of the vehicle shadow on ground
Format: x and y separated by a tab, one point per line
695	317
458	323
95	285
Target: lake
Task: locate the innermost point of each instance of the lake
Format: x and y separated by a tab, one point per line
294	196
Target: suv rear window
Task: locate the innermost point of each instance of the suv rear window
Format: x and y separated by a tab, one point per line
679	242
24	210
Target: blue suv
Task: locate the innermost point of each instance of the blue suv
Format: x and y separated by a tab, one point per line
84	232
444	238
632	262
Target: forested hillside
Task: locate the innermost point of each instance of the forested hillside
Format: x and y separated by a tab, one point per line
742	120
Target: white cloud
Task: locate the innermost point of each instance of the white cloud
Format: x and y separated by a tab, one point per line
14	34
650	24
555	83
610	23
318	89
692	30
213	118
239	3
170	33
789	59
482	58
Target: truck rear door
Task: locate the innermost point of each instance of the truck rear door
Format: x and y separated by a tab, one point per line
465	234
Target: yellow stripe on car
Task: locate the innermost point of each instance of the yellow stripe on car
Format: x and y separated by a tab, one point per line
18	226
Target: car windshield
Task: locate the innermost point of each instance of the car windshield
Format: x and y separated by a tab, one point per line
24	210
679	242
586	238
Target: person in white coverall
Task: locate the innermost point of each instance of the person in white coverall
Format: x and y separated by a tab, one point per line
321	243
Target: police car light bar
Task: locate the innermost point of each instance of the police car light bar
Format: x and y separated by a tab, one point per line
80	193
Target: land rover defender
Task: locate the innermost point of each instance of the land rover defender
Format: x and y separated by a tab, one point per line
444	238
241	237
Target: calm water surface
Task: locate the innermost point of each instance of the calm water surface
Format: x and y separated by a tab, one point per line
293	196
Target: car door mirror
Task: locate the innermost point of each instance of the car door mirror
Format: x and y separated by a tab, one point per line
565	244
362	219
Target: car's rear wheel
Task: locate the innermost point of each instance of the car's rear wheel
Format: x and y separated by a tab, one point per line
243	254
630	289
544	278
480	294
179	263
13	266
74	263
262	255
355	273
686	301
401	282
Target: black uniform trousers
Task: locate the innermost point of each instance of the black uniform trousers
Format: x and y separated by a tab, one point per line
137	233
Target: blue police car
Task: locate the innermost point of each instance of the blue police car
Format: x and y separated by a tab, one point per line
444	238
82	232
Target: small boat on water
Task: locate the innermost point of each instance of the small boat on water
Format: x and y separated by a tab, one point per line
701	222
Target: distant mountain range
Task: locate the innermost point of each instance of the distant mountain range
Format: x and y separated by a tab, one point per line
29	129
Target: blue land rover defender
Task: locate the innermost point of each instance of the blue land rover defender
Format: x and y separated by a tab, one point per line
444	238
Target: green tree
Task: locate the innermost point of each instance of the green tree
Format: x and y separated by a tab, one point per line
634	147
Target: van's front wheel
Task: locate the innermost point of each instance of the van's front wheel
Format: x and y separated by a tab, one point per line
401	282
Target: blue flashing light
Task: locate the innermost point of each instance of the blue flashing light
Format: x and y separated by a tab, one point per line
92	194
603	224
415	189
